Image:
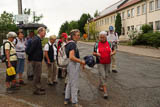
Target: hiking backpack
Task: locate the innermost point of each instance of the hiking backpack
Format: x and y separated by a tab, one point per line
63	60
28	45
3	54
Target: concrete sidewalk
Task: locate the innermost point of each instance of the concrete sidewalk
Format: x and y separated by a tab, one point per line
151	52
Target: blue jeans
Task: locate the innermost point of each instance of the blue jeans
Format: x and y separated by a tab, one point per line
20	66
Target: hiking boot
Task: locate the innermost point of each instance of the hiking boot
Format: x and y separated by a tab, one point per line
100	87
39	92
14	87
105	96
114	71
30	78
9	91
66	101
41	89
50	84
21	82
76	105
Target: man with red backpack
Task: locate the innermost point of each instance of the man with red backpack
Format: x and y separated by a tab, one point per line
61	42
103	52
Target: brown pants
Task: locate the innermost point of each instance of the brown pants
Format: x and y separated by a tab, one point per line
52	72
37	71
113	61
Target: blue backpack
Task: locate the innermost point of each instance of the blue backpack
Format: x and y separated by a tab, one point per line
28	45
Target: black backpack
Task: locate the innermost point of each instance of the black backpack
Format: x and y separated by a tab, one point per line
3	56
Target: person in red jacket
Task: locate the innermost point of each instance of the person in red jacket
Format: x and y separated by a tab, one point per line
61	42
103	52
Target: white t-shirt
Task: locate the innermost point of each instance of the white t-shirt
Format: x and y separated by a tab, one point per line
11	50
46	48
20	48
112	37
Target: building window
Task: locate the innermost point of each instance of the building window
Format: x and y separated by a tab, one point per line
123	31
151	6
132	27
128	28
114	17
105	20
143	8
157	25
123	14
111	19
138	10
128	12
151	24
138	27
157	4
102	22
132	12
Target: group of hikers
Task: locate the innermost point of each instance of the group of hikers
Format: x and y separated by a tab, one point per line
17	48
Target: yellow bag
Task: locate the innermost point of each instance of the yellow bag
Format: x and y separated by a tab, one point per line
11	71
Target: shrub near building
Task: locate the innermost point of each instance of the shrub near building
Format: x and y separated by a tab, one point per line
149	39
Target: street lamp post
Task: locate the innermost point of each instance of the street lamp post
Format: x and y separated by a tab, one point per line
88	28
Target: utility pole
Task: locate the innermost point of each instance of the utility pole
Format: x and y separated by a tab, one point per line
20	9
19	6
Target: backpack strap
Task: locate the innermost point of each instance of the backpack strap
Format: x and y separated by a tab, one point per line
9	49
16	41
96	45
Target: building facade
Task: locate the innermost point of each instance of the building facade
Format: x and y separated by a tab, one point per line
134	13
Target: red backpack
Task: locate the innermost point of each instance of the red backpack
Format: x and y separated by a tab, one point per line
105	52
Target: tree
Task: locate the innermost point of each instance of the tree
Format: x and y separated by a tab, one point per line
83	20
96	13
68	26
64	28
7	24
118	24
92	29
35	18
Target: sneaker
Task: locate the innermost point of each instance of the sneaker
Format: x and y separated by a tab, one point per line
76	105
114	71
105	96
9	91
39	92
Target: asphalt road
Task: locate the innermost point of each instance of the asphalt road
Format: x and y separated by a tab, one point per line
136	85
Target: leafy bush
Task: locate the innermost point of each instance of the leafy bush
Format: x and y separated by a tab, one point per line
146	28
149	39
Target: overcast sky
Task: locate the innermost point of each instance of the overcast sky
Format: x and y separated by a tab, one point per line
56	12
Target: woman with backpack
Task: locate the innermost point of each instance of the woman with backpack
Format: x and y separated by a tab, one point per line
103	52
20	50
11	61
73	69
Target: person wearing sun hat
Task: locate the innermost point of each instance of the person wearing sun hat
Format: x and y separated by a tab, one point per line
11	61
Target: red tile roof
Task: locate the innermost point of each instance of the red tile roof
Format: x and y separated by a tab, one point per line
127	4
